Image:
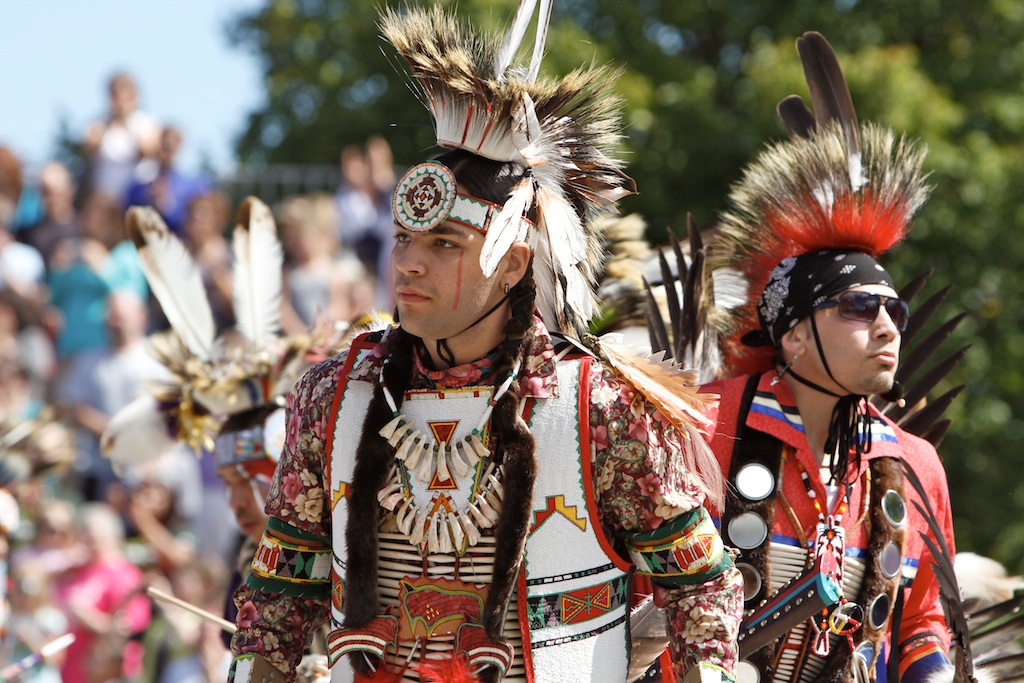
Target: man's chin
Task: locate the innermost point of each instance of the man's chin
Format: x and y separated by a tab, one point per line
880	384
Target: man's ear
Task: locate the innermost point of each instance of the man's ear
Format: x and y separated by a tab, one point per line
795	340
517	260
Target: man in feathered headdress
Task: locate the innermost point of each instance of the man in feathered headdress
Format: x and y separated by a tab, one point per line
475	494
817	487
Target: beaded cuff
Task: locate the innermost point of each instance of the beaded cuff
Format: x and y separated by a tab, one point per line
296	570
684	550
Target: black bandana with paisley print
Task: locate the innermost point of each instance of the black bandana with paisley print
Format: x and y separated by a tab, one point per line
799	283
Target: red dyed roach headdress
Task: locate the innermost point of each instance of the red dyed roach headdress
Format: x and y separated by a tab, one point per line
833	193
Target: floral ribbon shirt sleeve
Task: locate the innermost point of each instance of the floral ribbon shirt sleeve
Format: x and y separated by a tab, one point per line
275	625
641	482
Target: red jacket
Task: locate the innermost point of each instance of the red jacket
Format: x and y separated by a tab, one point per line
774	412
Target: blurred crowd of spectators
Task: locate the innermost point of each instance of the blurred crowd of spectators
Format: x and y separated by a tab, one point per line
75	312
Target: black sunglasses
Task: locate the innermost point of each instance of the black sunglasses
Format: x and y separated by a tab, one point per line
864	306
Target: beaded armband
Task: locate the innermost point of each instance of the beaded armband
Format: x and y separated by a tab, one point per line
922	653
289	568
686	550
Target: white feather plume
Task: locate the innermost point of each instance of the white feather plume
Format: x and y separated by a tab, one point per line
560	222
175	279
547	283
505	228
257	273
543	19
514	38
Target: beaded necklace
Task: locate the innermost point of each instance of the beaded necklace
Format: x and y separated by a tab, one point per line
828	555
442	527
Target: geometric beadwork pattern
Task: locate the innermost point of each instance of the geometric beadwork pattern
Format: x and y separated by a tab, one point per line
578	605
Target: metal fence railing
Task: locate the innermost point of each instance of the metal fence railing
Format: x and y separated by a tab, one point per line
272	183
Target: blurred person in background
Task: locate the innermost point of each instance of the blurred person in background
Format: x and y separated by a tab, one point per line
160	501
115	146
22	268
104	600
25	343
45	551
58	222
179	646
169	191
35	621
24	337
50	549
246	468
10	175
101	381
206	221
365	222
322	278
84	270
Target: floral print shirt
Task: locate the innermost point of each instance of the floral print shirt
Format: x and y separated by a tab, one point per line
640	481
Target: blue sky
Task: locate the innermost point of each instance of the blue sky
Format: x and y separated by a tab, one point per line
56	57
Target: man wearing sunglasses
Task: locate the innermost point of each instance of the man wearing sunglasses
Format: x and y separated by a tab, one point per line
839	583
816	489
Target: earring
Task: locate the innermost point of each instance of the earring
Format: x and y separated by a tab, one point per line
786	369
506	289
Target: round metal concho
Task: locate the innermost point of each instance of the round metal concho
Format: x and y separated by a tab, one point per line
751	580
748	530
894	508
890	559
425	196
866	651
878	611
747	673
755	482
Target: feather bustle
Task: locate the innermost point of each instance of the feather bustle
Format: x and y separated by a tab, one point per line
175	279
257	273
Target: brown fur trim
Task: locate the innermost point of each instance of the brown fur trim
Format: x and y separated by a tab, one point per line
520	472
374	457
515	454
886	474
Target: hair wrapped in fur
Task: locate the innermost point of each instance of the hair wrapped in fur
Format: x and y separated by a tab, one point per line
513	443
835	184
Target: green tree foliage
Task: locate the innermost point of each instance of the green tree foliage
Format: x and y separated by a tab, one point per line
701	80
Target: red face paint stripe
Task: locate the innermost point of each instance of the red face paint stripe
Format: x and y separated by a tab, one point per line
458	283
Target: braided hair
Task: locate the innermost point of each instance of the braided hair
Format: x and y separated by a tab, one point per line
511	442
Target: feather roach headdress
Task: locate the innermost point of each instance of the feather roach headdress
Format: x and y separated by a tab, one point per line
834	185
560	130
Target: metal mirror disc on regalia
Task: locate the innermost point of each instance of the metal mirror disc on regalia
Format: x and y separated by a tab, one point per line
748	530
747	673
878	611
889	560
755	482
425	196
866	651
751	580
894	508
